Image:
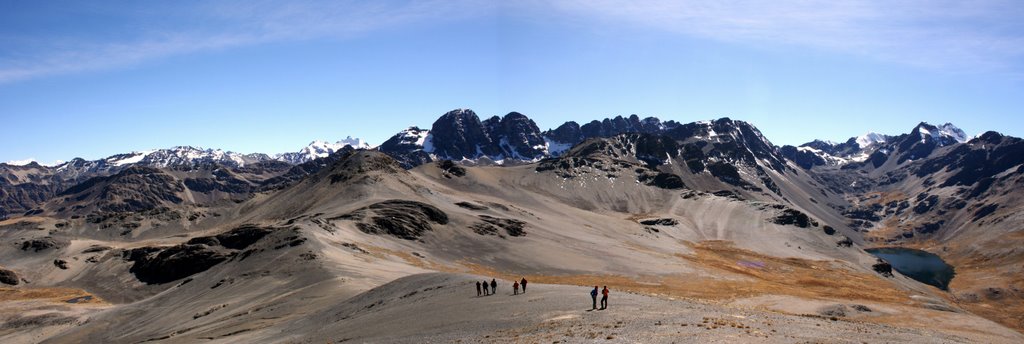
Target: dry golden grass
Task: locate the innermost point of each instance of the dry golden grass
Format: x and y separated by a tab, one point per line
59	295
1007	310
976	273
725	279
31	219
884	197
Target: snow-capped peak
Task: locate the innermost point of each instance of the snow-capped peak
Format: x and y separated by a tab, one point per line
21	162
29	161
947	130
869	139
320	149
951	130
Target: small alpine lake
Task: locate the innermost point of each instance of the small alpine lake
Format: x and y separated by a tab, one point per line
922	266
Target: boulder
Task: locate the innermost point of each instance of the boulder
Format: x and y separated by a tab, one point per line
828	229
844	242
883	268
9	277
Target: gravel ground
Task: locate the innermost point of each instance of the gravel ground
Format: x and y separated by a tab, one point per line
444	308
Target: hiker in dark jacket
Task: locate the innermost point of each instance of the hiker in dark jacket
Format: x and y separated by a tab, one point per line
604	299
486	292
593	295
477	288
494	286
523	283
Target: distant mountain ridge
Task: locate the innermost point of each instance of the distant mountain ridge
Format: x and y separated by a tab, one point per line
460	135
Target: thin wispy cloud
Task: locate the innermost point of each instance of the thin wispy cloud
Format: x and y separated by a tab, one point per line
210	26
956	36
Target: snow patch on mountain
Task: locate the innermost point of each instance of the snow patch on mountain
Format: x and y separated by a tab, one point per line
130	158
555	148
426	141
870	138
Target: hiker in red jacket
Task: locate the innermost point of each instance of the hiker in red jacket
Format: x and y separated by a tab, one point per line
515	288
604	299
523	283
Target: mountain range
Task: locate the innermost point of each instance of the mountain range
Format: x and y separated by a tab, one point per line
188	243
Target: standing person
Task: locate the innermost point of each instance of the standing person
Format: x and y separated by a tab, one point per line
494	286
486	292
604	299
477	288
515	288
523	283
593	296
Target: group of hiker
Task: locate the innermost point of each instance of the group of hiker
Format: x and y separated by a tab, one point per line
489	288
604	298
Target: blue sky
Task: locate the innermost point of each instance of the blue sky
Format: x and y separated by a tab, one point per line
94	79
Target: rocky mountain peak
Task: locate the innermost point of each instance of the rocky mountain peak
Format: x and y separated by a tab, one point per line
568	133
519	137
459	134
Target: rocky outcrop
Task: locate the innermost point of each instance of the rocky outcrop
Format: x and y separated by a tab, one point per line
450	169
44	243
158	265
660	222
793	217
236	239
490	225
882	267
662	180
401	218
471	206
9	277
358	165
